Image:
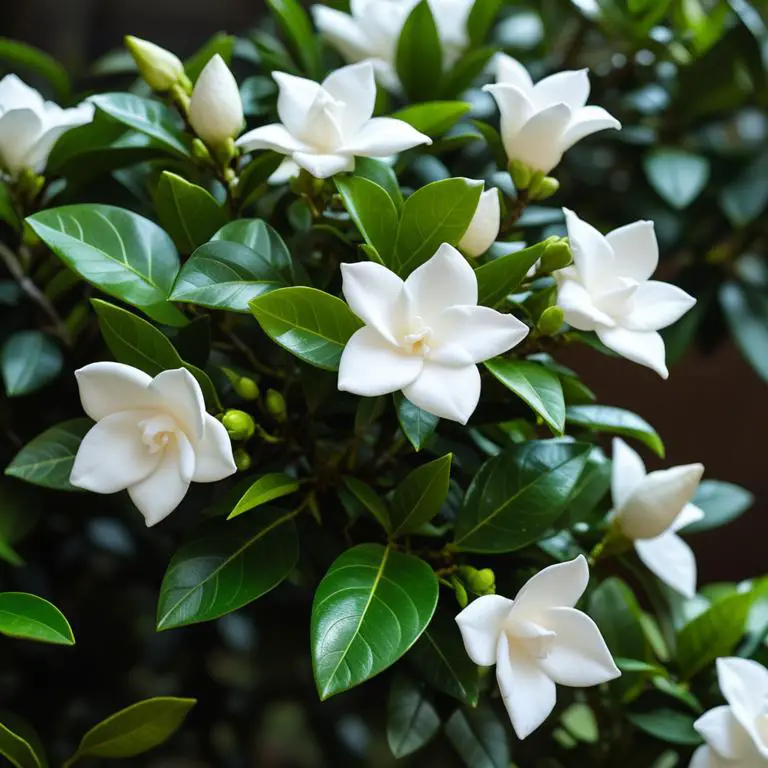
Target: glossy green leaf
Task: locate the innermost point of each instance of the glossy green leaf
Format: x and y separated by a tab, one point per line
746	312
295	23
19	744
479	737
253	180
666	725
134	341
466	71
136	729
265	489
28	361
516	496
227	564
481	18
721	503
417	425
536	385
419	56
47	460
369	609
381	173
500	277
313	325
615	421
29	617
21	55
420	496
590	490
412	720
370	500
678	176
124	254
187	212
433	118
220	43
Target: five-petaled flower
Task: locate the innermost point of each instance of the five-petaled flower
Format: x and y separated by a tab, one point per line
536	641
152	437
736	733
423	336
608	290
540	122
29	126
325	126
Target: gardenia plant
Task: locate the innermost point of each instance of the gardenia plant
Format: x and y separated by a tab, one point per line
347	376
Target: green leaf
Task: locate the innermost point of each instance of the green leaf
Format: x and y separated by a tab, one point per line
220	43
18	54
187	212
124	254
590	490
370	500
381	173
433	117
20	744
712	634
295	23
417	425
254	177
479	738
666	725
29	617
516	496
746	197
225	565
134	341
373	211
419	57
313	325
746	313
500	277
438	213
412	720
47	460
441	659
145	116
616	421
369	411
8	212
480	20
536	385
721	503
29	360
369	609
679	177
465	71
265	489
135	729
420	496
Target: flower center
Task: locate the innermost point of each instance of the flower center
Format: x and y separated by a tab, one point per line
534	639
157	432
417	342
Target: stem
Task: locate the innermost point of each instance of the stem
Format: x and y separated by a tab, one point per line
248	354
72	760
516	210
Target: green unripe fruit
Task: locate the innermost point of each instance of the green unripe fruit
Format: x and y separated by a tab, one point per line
247	388
243	460
239	424
275	403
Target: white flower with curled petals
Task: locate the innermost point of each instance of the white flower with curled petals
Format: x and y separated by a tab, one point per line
608	290
651	508
152	437
736	733
424	335
30	126
537	641
540	122
325	126
484	227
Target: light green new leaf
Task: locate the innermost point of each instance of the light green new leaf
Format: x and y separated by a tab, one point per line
311	324
412	720
32	618
433	118
479	737
616	421
419	56
420	496
28	361
721	503
500	277
370	500
265	489
678	176
369	609
19	743
667	725
417	425
381	173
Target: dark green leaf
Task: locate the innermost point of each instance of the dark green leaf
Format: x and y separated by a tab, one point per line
465	71
381	173
369	609
370	500
369	410
433	117
417	425
20	744
8	212
678	176
265	489
746	197
29	360
419	57
616	421
500	277
493	140
254	178
481	19
31	618
721	502
746	312
420	496
18	54
666	725
295	23
479	738
591	489
412	720
220	43
225	565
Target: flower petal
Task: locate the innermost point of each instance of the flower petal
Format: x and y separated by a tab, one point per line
373	293
161	492
446	391
627	472
515	109
539	144
372	366
578	656
355	86
556	586
107	388
484	227
592	254
529	693
384	136
643	347
324	166
585	122
463	335
19	128
656	305
690	514
744	683
511	72
704	757
180	395
275	137
16	94
723	732
578	306
570	87
671	560
296	98
635	250
113	455
481	623
213	454
341	31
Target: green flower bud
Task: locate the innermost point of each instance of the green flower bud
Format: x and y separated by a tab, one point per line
550	321
200	151
243	460
275	403
247	388
239	424
461	593
545	188
161	69
520	173
556	255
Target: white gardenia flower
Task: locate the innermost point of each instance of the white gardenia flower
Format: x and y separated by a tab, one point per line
651	508
540	122
325	126
484	227
30	126
536	641
216	109
423	336
372	30
608	290
736	733
161	69
152	437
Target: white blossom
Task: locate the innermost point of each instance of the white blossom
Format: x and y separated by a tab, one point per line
651	508
423	336
152	437
325	126
736	733
608	290
30	126
536	641
540	122
216	109
484	227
